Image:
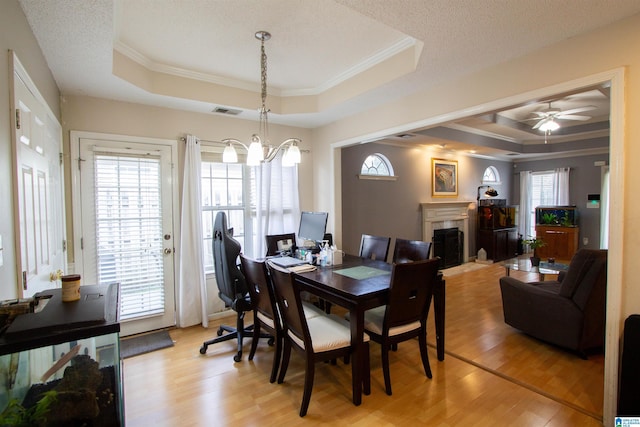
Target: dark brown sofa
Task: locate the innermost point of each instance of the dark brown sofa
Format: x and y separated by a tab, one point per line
569	312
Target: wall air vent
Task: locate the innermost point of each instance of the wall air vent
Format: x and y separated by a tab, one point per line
224	110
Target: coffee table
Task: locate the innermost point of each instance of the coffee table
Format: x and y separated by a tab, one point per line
524	264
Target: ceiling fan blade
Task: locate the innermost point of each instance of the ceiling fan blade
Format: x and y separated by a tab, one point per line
572	117
541	114
579	109
540	123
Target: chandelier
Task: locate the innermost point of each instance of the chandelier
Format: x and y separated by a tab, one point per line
260	149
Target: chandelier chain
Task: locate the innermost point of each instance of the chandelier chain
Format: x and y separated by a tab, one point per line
264	124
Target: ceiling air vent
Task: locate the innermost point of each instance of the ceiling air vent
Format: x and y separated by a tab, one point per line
224	110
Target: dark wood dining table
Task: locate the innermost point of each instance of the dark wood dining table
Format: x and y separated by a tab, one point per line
359	284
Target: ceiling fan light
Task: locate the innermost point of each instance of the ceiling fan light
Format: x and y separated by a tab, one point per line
549	125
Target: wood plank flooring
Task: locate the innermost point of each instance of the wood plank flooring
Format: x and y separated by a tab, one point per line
492	374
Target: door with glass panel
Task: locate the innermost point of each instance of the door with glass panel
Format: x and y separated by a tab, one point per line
126	196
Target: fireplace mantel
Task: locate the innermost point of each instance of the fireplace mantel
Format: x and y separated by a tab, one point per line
436	215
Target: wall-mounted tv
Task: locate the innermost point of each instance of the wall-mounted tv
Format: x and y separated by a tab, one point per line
313	226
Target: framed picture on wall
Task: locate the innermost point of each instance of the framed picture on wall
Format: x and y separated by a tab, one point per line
444	179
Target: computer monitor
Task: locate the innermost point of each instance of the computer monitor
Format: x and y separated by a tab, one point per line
313	226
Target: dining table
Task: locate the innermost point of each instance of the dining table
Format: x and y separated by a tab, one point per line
359	284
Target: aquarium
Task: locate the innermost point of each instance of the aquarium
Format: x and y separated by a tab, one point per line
494	217
561	216
60	362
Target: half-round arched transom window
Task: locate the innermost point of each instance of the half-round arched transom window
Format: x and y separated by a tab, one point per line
491	176
376	164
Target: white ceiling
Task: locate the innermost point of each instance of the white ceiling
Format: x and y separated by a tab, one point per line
315	46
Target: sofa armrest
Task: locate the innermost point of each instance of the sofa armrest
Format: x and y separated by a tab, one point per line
539	311
561	275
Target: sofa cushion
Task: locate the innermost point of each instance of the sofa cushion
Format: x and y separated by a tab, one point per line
578	268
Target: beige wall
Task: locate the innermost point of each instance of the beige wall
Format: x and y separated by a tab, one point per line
16	35
576	58
597	52
121	118
601	52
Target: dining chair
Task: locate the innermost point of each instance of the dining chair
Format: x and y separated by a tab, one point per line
374	247
410	250
275	241
265	313
265	310
405	315
318	339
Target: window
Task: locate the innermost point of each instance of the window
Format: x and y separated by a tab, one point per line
376	165
491	176
223	189
541	195
257	200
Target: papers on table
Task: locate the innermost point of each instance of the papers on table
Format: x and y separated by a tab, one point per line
302	268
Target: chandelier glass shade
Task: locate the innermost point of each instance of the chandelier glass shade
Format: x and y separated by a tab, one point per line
260	149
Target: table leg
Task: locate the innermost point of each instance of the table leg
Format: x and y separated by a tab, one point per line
357	365
438	308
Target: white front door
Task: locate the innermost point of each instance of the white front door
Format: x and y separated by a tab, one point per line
38	184
126	233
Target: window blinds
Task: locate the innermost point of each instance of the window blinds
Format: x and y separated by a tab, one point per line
129	231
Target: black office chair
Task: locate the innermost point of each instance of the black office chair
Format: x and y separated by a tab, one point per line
274	243
232	287
374	247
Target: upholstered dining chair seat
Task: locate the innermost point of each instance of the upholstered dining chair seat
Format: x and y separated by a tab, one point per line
310	311
374	317
328	332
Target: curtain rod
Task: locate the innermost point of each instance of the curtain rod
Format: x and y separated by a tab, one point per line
183	139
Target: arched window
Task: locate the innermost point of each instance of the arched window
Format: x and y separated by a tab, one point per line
491	176
377	165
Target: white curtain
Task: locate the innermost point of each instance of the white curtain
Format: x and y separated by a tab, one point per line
524	214
561	186
277	201
192	290
604	209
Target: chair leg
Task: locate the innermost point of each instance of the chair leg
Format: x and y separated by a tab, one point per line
422	342
366	373
384	349
308	386
286	354
276	358
256	337
241	331
232	334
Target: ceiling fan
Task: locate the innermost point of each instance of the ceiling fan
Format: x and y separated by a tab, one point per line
547	119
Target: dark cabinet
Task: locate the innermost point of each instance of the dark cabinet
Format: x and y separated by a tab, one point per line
500	244
497	232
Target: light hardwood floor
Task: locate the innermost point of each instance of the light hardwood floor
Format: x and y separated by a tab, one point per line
492	375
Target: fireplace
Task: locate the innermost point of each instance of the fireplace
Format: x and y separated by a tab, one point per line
443	215
448	244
